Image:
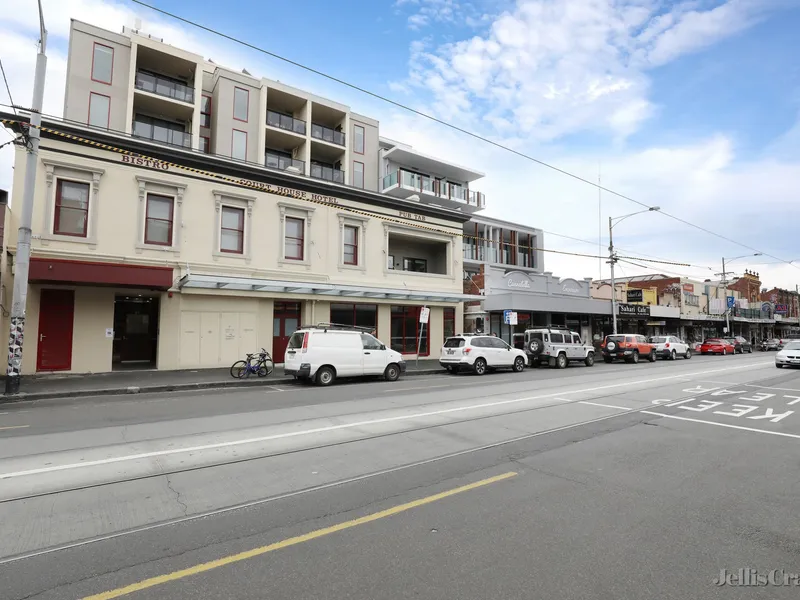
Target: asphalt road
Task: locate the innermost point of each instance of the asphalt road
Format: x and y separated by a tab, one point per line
617	481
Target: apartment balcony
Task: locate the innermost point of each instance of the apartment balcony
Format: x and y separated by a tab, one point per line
327	173
327	134
286	123
404	184
488	253
159	131
273	160
164	86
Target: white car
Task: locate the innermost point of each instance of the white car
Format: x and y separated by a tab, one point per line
789	355
328	351
670	347
480	353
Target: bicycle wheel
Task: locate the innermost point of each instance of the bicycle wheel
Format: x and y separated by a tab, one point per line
265	368
238	369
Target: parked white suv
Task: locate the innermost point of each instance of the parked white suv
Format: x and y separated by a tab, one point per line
670	347
556	347
328	351
480	353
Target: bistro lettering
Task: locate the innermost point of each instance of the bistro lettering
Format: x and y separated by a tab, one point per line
145	162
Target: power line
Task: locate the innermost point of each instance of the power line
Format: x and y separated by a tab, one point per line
8	88
446	124
254	185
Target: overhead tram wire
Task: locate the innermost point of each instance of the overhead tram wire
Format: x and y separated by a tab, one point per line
449	125
239	182
8	87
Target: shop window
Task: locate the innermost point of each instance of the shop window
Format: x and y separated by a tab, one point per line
407	331
449	322
355	315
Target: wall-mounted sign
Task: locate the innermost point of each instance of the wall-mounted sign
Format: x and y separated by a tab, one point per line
409	215
518	281
781	309
288	192
145	162
656	323
766	307
688	287
509	317
633	310
635	295
570	286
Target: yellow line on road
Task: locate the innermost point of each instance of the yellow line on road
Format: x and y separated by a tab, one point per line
221	562
14	427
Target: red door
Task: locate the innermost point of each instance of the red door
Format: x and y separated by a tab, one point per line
286	320
56	314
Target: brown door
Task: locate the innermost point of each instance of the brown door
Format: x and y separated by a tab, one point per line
286	320
56	315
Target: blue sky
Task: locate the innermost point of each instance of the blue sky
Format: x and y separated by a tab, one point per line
690	105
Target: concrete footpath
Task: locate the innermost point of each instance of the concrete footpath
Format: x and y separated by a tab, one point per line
51	385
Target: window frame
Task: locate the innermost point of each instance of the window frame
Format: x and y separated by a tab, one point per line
302	239
205	114
363	139
89	112
355	306
111	75
208	144
305	212
243	211
57	214
247	105
354	184
411	258
355	245
170	243
447	311
233	135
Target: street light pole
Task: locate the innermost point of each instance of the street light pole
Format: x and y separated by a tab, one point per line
612	259
22	259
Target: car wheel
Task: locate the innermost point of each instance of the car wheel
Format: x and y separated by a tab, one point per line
519	364
635	357
750	350
673	355
778	366
589	361
724	352
688	354
480	366
452	370
392	372
652	356
561	361
325	376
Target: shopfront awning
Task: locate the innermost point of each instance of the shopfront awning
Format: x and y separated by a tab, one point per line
309	288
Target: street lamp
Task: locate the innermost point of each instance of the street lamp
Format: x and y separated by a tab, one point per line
612	258
725	287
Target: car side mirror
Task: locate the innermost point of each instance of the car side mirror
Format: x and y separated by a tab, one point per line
383	347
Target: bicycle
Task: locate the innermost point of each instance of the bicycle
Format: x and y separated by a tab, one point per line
262	367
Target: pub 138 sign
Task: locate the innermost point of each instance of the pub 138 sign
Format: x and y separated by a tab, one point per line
634	310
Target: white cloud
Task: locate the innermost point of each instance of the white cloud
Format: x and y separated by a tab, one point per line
556	68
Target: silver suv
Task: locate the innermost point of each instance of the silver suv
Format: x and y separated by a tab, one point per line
556	346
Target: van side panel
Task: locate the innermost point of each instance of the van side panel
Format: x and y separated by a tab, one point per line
343	350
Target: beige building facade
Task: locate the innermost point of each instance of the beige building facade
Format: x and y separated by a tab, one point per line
180	263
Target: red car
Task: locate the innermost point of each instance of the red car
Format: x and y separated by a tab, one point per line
717	346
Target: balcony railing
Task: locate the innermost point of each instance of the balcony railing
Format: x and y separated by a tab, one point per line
278	161
327	134
489	253
160	134
327	173
163	86
275	119
427	185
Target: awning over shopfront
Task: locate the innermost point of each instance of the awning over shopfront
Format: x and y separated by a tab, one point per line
310	288
45	270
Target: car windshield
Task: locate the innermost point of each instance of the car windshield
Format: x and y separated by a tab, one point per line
296	341
454	343
792	346
658	340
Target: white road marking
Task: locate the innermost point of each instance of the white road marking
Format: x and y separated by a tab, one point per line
603	405
753	429
277	389
292	434
563	399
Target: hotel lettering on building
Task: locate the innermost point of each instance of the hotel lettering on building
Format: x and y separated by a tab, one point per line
186	214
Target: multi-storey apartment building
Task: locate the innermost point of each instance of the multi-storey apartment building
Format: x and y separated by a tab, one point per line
186	214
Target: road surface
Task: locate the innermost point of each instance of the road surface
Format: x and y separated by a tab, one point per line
616	481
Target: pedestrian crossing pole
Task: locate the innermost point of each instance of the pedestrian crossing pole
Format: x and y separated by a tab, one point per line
22	259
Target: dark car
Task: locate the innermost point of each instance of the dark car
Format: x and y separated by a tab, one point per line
740	344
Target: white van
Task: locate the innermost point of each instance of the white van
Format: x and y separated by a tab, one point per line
328	351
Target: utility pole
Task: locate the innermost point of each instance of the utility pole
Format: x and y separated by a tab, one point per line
22	259
612	258
725	289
